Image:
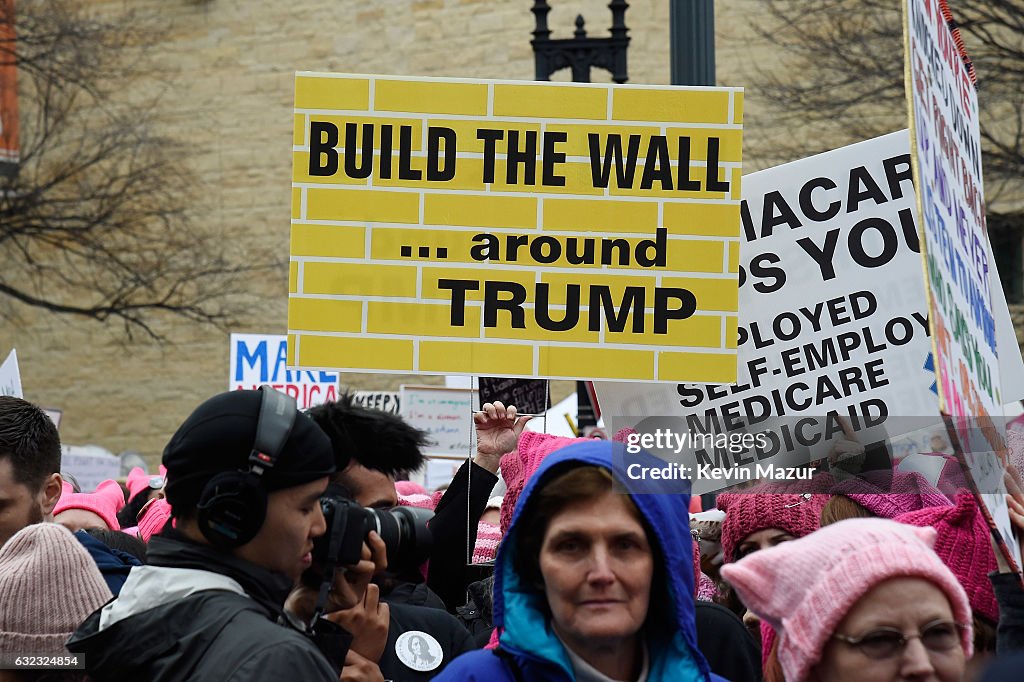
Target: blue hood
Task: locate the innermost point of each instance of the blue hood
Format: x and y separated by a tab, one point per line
113	563
519	607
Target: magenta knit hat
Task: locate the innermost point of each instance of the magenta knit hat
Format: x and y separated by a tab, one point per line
890	493
805	588
963	544
517	466
48	585
704	588
154	520
750	512
105	502
138	480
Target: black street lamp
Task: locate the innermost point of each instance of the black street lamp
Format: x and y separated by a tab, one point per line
580	52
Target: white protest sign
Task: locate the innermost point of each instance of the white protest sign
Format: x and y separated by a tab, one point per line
10	377
446	414
944	121
440	470
832	310
947	155
90	465
258	359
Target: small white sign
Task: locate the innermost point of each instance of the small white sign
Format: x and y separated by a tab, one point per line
10	377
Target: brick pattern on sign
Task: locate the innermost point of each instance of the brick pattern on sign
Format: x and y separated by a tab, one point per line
515	229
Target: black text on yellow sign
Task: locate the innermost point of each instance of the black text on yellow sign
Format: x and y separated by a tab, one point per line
530	157
617	307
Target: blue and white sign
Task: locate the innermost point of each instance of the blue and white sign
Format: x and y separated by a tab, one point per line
258	359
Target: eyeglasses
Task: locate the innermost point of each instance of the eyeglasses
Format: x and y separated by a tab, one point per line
941	635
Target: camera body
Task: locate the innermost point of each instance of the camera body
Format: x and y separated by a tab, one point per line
403	530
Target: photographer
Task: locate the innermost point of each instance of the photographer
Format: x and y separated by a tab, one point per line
245	473
382	445
420	639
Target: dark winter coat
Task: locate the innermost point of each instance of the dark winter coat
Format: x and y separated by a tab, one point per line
113	563
201	615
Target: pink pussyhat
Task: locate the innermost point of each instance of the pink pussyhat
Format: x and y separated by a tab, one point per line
105	502
138	480
410	488
517	466
417	500
704	588
488	537
964	544
804	588
749	512
154	519
891	493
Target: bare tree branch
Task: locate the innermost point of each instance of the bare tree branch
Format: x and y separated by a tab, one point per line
99	223
843	76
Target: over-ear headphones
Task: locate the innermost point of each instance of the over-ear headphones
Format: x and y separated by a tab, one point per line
233	504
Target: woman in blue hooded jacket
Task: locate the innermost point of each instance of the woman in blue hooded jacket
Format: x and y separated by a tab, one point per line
592	584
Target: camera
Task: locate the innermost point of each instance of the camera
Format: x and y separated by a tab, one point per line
403	529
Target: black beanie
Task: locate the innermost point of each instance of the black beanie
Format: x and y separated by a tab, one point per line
219	435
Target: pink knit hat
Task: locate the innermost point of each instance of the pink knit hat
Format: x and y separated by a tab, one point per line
517	466
704	588
138	480
154	520
963	544
417	500
805	588
488	537
889	494
48	585
750	512
105	502
409	488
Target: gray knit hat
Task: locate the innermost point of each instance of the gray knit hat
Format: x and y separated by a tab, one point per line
48	585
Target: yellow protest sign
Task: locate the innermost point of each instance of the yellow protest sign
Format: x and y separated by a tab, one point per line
456	226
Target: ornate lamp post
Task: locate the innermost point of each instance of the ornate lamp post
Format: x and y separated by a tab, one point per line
580	52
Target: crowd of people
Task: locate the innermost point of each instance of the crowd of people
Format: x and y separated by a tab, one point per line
277	544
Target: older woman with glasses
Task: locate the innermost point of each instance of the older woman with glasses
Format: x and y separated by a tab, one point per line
862	599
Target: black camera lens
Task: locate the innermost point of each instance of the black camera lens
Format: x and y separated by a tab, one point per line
405	534
403	530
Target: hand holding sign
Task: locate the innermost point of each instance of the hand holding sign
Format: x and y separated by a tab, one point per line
1015	509
497	430
847	454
